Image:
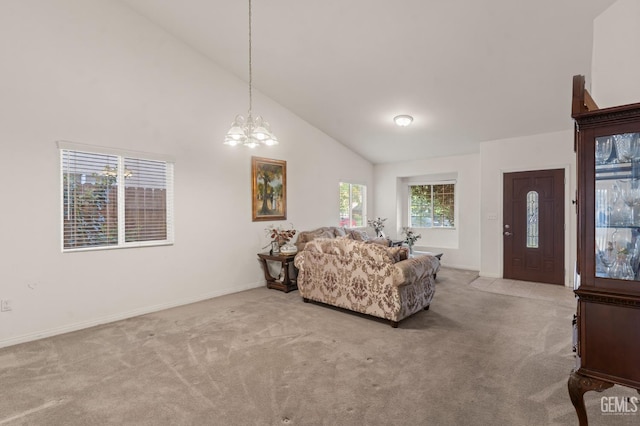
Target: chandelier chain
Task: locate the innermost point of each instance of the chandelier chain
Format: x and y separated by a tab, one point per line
250	65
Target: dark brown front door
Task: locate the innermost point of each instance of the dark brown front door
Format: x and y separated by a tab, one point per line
533	228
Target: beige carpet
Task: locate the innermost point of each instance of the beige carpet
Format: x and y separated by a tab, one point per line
264	357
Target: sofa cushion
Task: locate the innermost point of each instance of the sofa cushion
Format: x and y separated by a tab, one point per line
339	232
358	234
382	241
398	253
369	230
305	236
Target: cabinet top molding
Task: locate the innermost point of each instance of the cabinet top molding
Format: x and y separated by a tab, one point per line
585	111
581	99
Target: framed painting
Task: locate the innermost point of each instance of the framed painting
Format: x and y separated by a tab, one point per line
268	189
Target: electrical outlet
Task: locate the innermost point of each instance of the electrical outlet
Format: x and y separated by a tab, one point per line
5	305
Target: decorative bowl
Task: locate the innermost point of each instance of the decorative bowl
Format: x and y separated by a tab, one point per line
288	249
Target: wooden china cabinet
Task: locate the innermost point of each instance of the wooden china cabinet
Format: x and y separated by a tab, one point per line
608	207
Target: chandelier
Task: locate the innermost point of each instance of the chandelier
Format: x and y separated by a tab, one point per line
250	131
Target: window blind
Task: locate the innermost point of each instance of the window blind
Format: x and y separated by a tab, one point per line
90	200
145	201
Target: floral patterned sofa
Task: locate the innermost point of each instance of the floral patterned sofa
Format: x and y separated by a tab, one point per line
367	278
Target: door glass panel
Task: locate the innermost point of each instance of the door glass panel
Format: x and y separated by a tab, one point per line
532	219
617	206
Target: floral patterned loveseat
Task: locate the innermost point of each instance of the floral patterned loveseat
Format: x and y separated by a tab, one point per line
367	278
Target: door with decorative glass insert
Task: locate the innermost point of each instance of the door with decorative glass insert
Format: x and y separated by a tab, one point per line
533	227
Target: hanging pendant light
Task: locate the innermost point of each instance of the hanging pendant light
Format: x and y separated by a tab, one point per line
250	131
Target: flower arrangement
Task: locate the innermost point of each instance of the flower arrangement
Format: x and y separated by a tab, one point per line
280	239
410	236
377	224
279	235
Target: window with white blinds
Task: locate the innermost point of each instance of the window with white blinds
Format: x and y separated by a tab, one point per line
111	200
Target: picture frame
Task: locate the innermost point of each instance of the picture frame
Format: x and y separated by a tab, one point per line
268	189
275	247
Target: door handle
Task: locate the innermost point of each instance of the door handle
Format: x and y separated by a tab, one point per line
507	233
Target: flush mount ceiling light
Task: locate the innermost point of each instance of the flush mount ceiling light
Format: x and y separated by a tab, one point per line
250	131
403	120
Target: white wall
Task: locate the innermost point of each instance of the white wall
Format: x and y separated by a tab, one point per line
539	152
461	247
95	72
614	81
478	238
616	55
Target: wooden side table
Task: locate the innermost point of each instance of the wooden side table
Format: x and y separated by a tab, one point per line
284	282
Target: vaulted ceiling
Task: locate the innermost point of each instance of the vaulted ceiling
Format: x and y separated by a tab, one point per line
468	71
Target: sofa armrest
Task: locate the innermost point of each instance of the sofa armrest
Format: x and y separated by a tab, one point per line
416	269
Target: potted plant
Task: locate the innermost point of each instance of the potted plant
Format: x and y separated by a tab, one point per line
410	237
378	225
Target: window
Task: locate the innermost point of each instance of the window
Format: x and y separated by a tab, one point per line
353	202
111	200
532	219
432	205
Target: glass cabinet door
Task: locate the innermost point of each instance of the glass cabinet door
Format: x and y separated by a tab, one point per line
617	206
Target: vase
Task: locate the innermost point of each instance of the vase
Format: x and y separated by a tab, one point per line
620	213
605	257
621	269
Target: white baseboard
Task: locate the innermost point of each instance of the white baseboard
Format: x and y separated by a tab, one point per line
455	266
485	275
123	315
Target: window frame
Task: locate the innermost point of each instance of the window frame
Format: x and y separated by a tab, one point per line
364	204
432	184
121	194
